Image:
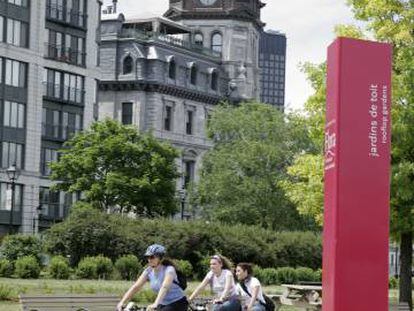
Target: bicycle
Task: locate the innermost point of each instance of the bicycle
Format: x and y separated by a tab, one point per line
198	304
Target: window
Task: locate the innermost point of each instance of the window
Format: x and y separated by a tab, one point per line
128	65
189	172
214	80
6	195
189	122
172	69
12	153
49	202
217	42
14	114
23	3
126	113
193	75
15	73
168	118
48	156
70	85
68	11
60	125
198	39
17	33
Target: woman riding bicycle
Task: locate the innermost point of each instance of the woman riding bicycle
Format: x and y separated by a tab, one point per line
222	283
249	288
162	276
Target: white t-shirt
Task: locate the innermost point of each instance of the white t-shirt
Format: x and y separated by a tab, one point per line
250	284
218	283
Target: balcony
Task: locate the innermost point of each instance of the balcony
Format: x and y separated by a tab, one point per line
63	54
61	14
171	40
63	93
58	132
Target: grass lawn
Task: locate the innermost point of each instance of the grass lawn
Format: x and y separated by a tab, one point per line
14	287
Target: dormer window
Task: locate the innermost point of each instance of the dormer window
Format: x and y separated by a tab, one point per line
217	42
127	65
172	68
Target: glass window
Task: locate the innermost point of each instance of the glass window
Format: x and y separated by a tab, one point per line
14	114
23	3
48	156
5	194
17	32
15	73
193	75
128	65
189	122
12	154
214	80
198	39
217	42
189	172
172	69
126	113
168	118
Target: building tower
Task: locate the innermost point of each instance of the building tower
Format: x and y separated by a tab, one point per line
231	27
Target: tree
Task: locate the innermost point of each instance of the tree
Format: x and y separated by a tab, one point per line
116	166
253	145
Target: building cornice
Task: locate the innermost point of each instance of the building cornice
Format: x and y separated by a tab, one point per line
156	87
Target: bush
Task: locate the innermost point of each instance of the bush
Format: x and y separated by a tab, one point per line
318	275
16	246
287	275
95	267
104	267
128	267
392	283
7	293
88	232
185	267
305	274
87	269
267	276
27	267
6	268
59	268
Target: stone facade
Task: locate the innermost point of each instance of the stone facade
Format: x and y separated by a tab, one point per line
35	207
222	47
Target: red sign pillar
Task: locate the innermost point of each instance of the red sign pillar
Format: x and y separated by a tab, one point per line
357	176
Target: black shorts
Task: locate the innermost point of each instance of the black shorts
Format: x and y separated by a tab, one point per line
179	305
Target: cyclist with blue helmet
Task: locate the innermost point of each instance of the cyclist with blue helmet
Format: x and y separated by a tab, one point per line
162	276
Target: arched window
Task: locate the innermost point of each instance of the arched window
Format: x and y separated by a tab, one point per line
199	39
217	42
127	65
214	80
193	75
172	69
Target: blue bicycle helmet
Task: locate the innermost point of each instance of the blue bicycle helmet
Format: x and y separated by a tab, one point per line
155	250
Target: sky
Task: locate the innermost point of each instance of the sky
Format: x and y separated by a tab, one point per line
308	25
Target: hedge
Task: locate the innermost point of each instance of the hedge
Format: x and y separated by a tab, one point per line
88	232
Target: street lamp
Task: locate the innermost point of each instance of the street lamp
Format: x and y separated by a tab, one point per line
183	195
13	174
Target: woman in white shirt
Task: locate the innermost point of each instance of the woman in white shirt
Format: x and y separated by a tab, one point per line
222	284
249	288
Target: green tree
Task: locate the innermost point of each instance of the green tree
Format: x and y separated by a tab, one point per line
116	166
253	145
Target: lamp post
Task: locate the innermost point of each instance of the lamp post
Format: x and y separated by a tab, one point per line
13	174
183	195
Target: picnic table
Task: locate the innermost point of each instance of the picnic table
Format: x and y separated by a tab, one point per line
303	297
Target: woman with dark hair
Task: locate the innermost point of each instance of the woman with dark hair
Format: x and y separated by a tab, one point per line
222	284
249	288
162	276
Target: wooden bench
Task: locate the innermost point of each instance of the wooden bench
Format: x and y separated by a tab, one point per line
69	303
